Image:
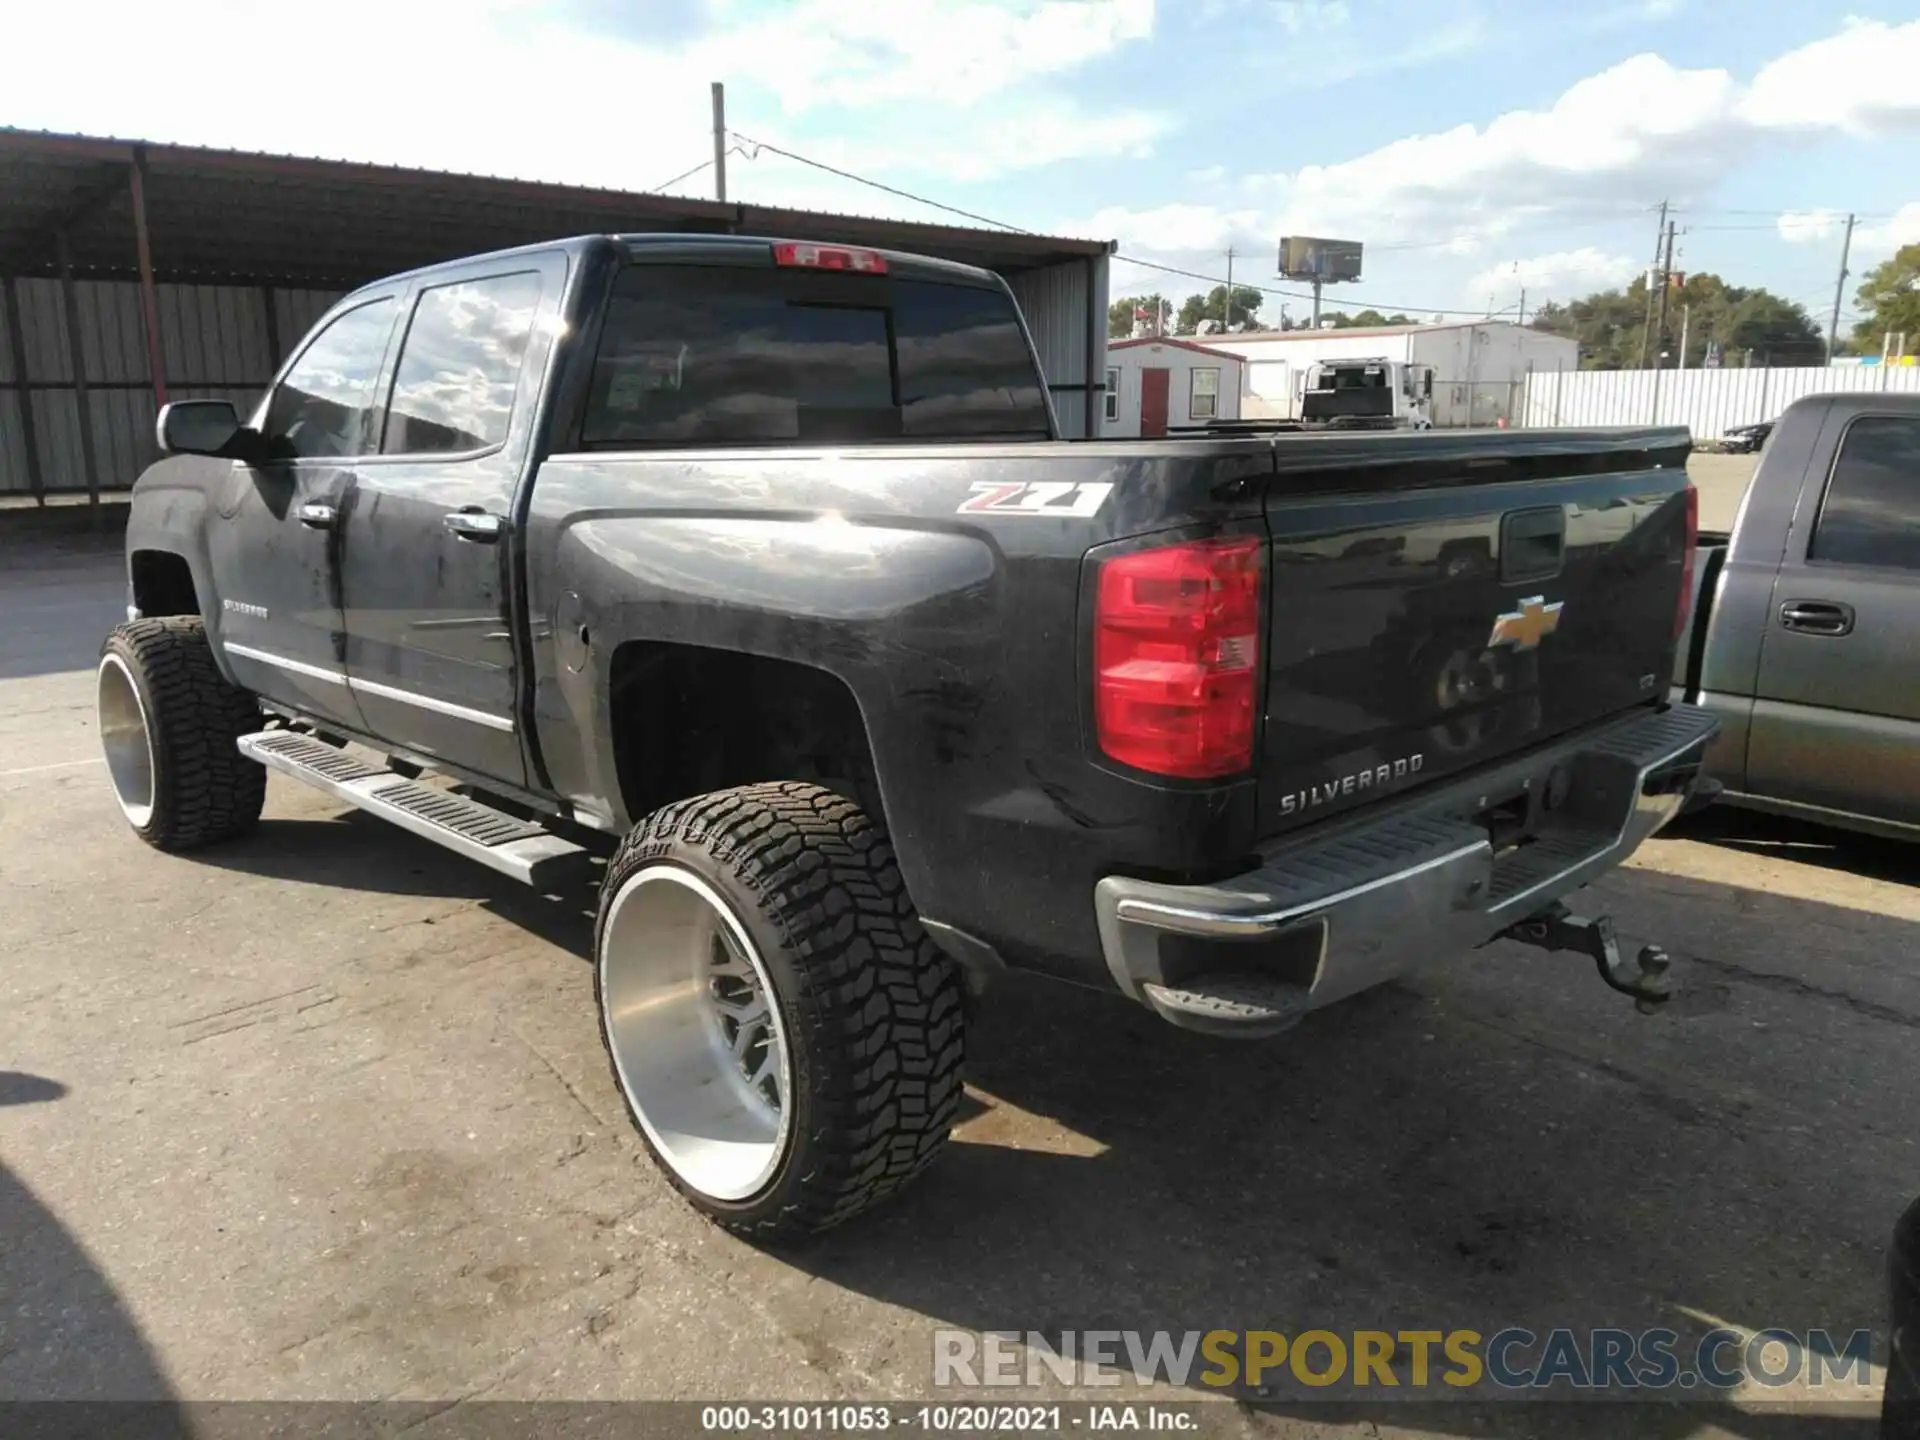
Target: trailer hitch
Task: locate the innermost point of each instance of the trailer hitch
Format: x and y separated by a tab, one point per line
1645	977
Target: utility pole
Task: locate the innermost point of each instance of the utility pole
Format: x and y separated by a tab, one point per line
1666	288
1839	289
719	141
1646	330
1686	321
1523	306
1226	325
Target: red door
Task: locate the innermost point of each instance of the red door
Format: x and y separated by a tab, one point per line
1153	402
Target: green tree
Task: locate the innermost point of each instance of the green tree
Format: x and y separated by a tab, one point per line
1620	329
1364	320
1120	314
1212	306
1889	302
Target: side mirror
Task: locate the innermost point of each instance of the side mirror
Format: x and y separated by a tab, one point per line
197	427
1426	386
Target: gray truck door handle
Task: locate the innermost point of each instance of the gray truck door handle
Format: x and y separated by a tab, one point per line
1817	617
475	525
317	516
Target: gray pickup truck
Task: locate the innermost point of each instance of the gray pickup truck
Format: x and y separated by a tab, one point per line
1806	622
762	562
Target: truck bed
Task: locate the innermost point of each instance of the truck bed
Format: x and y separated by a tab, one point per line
953	586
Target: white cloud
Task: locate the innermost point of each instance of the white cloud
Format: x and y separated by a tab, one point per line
1883	237
1432	41
1610	147
1014	137
1804	227
1562	275
637	97
1870	237
1859	81
815	53
1311	17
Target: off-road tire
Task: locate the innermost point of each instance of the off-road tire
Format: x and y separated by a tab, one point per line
203	789
872	1009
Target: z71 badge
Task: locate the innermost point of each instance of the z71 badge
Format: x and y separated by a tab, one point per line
1037	497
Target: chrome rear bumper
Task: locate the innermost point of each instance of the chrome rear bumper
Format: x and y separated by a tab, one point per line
1348	905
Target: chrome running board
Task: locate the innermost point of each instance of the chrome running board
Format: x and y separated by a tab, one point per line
515	847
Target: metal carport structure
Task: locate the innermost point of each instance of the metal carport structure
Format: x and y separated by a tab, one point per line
176	271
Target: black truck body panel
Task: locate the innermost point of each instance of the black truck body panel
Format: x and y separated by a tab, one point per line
959	625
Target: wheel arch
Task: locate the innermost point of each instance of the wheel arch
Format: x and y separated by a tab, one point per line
161	583
685	719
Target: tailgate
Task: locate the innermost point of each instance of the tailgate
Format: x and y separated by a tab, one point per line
1442	601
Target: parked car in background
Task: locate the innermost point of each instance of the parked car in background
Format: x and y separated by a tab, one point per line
1805	636
1745	439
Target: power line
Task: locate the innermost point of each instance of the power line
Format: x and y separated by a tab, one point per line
759	145
751	148
684	174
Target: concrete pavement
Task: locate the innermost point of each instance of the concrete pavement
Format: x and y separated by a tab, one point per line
324	1114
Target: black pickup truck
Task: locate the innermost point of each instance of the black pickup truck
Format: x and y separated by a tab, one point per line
763	560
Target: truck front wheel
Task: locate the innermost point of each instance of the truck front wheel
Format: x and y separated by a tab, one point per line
168	723
786	1037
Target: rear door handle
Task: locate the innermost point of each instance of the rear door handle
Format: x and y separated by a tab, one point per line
475	525
1817	617
317	515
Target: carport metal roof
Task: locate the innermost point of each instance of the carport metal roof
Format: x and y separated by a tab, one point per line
228	216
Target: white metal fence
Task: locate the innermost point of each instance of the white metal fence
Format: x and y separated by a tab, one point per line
1707	402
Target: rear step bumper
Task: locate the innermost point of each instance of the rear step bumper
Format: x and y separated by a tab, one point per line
500	841
1348	906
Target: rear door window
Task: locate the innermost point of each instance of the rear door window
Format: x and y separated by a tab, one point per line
460	365
1871	513
710	355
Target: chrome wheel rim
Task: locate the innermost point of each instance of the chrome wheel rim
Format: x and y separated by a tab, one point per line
127	742
696	1036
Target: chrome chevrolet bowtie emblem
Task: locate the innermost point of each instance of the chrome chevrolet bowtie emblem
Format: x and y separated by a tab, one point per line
1524	628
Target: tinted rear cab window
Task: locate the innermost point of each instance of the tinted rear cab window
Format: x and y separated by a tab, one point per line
724	355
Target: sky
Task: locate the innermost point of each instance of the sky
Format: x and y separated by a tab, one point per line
1476	148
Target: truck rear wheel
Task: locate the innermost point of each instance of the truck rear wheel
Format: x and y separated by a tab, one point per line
786	1037
168	723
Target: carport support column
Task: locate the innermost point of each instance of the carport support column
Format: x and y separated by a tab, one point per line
17	347
149	302
76	348
1096	336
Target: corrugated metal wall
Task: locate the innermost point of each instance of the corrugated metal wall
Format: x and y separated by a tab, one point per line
1066	309
225	342
1707	402
217	342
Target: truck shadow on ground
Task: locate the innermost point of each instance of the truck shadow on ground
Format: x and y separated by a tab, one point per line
1499	1142
1804	842
355	851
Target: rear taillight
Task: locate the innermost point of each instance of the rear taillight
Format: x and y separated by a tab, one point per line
1176	652
1683	608
830	257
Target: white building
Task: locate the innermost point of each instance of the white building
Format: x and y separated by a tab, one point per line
1480	367
1158	383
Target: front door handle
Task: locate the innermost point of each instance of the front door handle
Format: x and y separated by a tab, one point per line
317	515
476	525
1817	617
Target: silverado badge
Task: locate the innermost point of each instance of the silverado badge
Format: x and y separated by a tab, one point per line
1526	626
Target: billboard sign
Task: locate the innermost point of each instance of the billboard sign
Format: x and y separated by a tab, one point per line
1305	257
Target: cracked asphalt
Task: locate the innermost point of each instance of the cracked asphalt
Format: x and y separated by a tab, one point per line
324	1115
